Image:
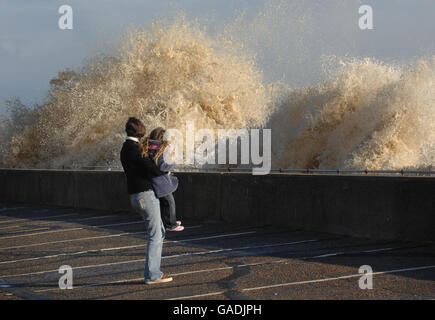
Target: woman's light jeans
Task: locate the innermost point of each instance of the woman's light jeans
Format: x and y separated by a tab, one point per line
148	206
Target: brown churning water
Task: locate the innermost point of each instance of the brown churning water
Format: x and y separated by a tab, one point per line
365	115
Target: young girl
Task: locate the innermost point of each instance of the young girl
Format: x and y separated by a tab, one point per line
164	185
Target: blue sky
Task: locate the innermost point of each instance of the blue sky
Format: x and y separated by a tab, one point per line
33	49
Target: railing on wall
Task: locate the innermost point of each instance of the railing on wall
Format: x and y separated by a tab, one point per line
280	170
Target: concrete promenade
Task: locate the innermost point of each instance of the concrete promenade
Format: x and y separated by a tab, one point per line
209	260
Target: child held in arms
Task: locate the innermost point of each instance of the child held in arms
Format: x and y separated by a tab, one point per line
165	185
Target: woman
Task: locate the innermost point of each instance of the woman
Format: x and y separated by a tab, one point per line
139	172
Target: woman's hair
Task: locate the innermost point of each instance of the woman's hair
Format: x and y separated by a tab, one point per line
156	134
135	128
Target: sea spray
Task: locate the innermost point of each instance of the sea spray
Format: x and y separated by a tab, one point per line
367	115
165	76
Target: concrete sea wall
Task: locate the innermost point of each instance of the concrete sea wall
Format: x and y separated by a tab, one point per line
380	207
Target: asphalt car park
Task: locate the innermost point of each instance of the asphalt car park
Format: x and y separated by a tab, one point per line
208	260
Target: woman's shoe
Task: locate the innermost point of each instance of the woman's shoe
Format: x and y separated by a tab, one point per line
163	279
177	228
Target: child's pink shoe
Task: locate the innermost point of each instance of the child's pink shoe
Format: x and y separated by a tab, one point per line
177	228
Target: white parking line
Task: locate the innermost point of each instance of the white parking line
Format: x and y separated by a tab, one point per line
328	255
378	250
338	278
144	245
334	254
307	281
96	217
39	218
212	237
71	254
141	279
122	262
241	248
39	233
80	239
71	229
199	295
213	269
88	251
72	240
23	223
196	271
75	268
117	224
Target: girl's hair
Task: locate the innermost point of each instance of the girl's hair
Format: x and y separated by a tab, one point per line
156	134
145	147
161	150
